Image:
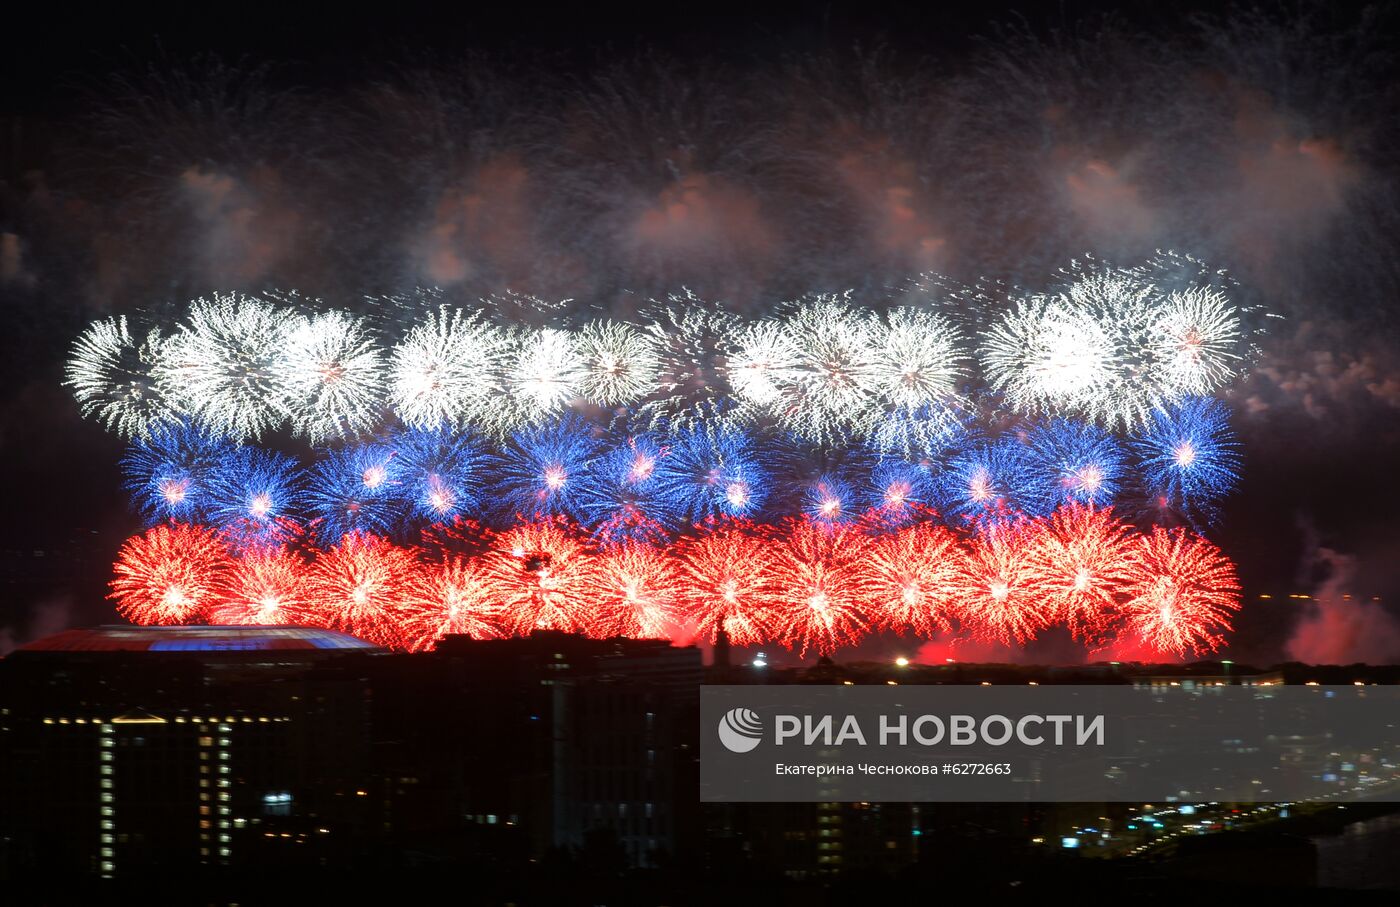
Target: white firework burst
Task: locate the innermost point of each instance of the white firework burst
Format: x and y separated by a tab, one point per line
694	341
919	362
110	374
834	390
221	366
619	361
446	371
764	362
1048	354
546	372
333	377
1193	337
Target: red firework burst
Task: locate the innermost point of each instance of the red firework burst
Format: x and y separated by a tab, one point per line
908	579
1080	564
540	571
455	596
358	585
170	575
1181	593
726	584
634	590
263	587
817	587
996	589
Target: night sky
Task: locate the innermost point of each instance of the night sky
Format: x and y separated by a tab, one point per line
144	163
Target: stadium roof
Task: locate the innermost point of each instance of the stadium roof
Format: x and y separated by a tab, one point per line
197	639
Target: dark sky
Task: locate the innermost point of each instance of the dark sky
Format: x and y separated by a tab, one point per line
144	162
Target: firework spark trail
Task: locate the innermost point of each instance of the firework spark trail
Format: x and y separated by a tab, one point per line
1081	561
170	575
452	597
541	572
332	376
726	583
447	372
109	371
818	596
1189	457
355	489
265	586
544	468
832	391
715	472
1181	593
443	473
223	365
358	586
995	587
620	363
1078	463
256	497
546	374
171	472
633	591
694	341
908	583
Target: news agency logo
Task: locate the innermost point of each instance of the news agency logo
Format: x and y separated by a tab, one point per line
740	730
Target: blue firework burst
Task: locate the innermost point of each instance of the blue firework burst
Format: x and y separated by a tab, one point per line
625	493
543	469
358	489
443	473
256	496
1189	457
715	473
169	473
900	491
1077	463
991	482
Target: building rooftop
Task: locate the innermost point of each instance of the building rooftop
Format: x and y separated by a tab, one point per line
123	638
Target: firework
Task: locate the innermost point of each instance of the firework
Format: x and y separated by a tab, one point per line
726	584
171	575
454	597
171	471
619	363
715	472
624	493
832	394
266	586
542	469
358	586
1193	337
255	497
1048	355
632	591
442	473
357	489
446	372
1180	593
901	492
541	573
693	342
922	433
817	596
1080	561
830	499
1076	463
1189	457
990	482
223	366
546	373
331	373
995	590
919	362
109	371
764	362
907	579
